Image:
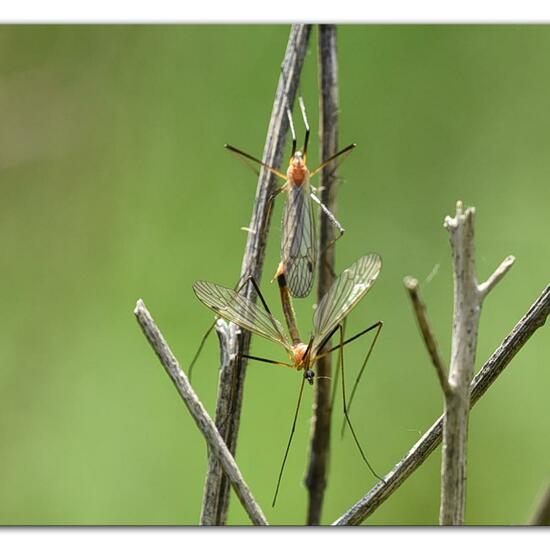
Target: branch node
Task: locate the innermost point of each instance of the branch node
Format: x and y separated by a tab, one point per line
533	319
498	274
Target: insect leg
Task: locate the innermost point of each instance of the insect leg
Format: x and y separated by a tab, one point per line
378	326
264	360
348	421
289	441
335	223
256	160
345	151
349	340
336	374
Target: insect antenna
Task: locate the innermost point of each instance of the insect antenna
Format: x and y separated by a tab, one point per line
306	124
292	129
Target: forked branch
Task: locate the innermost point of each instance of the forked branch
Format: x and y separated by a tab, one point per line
534	319
468	301
198	412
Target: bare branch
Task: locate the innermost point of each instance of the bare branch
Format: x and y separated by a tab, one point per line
316	477
198	412
429	338
468	300
255	247
213	479
500	271
518	337
542	512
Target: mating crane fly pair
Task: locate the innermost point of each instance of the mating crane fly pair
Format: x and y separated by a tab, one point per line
295	274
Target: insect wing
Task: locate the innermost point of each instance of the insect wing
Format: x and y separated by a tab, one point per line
240	310
344	294
299	243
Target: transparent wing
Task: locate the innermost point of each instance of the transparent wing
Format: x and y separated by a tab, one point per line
344	294
299	243
240	310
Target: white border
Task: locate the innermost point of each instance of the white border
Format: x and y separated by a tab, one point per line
273	538
282	11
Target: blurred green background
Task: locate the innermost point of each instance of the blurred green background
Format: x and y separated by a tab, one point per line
115	186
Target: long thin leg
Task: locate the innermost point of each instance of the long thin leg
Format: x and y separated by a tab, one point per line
289	440
306	123
273	196
244	158
343	151
271	199
199	350
324	343
256	160
264	360
380	324
335	223
341	356
337	372
349	340
331	217
266	307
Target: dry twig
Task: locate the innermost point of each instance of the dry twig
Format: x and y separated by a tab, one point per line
525	328
213	481
198	412
316	478
468	301
429	338
217	487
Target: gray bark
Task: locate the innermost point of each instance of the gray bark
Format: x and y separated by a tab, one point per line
198	412
421	450
217	486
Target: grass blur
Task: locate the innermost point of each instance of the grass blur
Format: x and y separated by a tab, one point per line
115	186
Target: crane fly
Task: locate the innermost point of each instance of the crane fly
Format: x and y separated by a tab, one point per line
299	247
299	241
344	294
